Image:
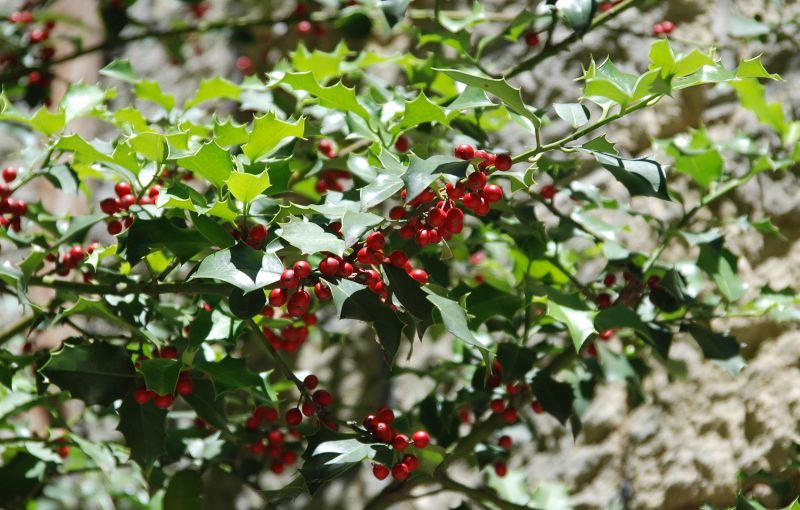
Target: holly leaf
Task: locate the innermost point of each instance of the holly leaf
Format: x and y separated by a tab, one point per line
720	264
293	489
161	374
422	172
419	111
97	372
575	114
241	266
411	296
267	132
229	374
211	162
160	233
214	88
208	408
577	13
570	310
337	97
143	426
516	360
384	186
330	454
555	397
642	177
185	491
354	224
454	319
722	349
310	238
247	187
354	301
486	301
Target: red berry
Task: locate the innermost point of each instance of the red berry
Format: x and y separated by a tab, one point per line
38	35
500	469
252	423
110	206
323	398
380	471
400	442
510	414
400	471
503	162
304	27
603	300
289	457
421	439
258	233
277	296
385	415
288	279
122	189
9	174
472	201
654	282
531	39
244	64
329	266
294	416
298	303
407	231
476	181
163	401
141	395
548	192
126	201
497	405
325	146
301	268
536	407
606	335
397	212
411	461
658	29
383	432
465	152
423	238
322	291
493	193
609	280
504	442
606	6
370	422
667	26
401	144
169	352
114	227
419	275
77	252
376	241
398	258
308	409
184	386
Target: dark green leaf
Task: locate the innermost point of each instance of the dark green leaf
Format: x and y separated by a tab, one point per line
643	177
22	474
454	320
294	489
720	264
722	349
486	301
185	491
555	397
229	374
213	231
242	266
209	408
161	374
246	306
422	172
143	426
411	296
97	373
330	454
160	233
516	360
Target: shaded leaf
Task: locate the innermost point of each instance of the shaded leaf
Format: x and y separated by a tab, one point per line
229	374
411	296
184	491
161	374
643	177
143	426
722	349
570	310
160	233
555	397
422	172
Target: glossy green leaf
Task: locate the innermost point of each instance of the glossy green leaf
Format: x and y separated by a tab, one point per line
419	111
577	13
486	301
510	96
229	133
323	65
160	233
516	360
575	114
161	374
151	91
337	96
572	311
143	426
384	186
213	231
293	489
152	146
722	349
97	372
82	99
642	177
555	397
355	224
454	319
120	70
408	292
267	133
214	88
331	454
184	491
208	408
705	168
751	94
229	374
354	301
422	172
721	265
619	317
211	162
310	238
247	187
242	266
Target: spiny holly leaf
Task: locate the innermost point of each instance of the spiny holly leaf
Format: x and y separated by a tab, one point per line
121	70
211	162
241	266
160	233
97	373
294	489
310	238
22	474
555	397
704	167
354	224
86	152
43	120
510	96
152	146
354	301
570	310
516	360
486	301
337	97
454	319
185	491
722	349
642	177
143	426
215	88
82	99
720	264
322	65
151	91
208	408
228	133
417	112
330	454
267	132
751	94
247	187
422	172
229	374
411	296
619	317
213	231
161	374
577	13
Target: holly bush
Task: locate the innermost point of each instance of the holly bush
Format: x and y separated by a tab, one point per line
224	245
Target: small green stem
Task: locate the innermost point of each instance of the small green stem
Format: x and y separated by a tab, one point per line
17	328
124	289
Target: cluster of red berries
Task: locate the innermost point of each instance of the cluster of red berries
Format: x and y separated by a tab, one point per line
184	386
273	444
73	258
325	146
34	36
123	201
15	209
663	28
380	426
606	6
333	180
254	236
290	337
321	398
